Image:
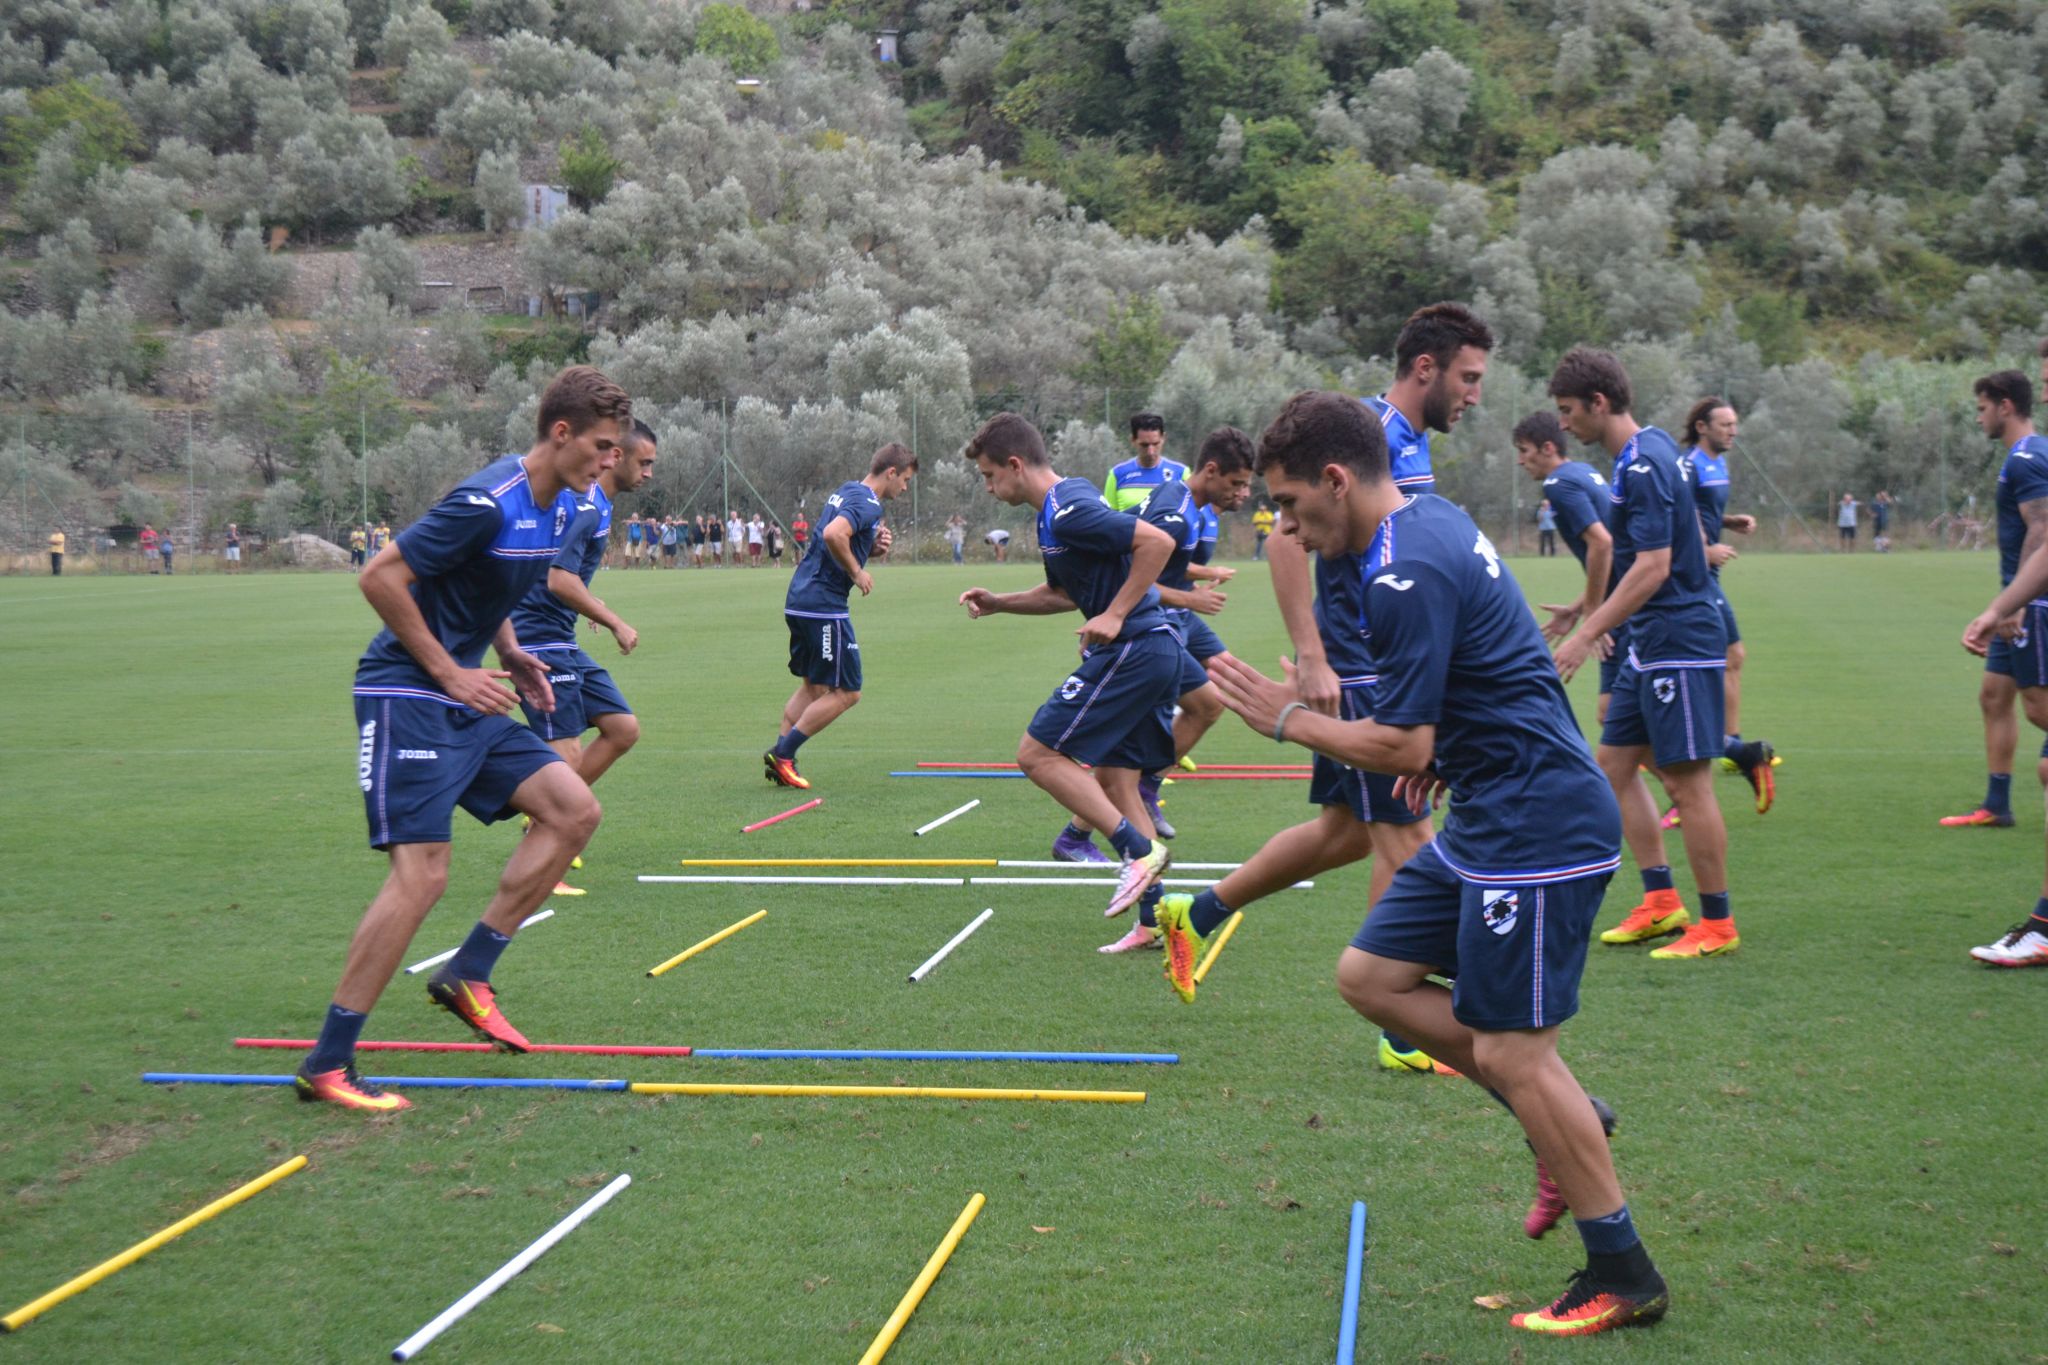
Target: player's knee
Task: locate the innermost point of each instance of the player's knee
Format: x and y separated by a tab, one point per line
849	698
583	815
1204	703
622	730
1365	984
2035	702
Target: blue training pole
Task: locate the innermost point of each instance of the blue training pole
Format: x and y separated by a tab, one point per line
414	1082
849	1054
1354	1271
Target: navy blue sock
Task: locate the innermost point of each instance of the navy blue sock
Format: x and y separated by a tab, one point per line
336	1047
478	954
1713	905
787	746
1998	794
1148	906
1731	748
1128	841
1658	879
1208	911
2040	920
1074	831
1614	1253
1396	1041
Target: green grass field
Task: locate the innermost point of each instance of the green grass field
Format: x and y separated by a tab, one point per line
1828	1138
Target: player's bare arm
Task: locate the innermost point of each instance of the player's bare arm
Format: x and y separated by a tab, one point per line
1202	598
1294	589
386	584
1599	565
1403	750
1637	586
527	672
838	538
1150	549
1043	600
2002	615
572	590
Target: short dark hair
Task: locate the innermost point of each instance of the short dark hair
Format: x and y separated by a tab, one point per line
1317	428
1229	449
2008	386
1147	421
1585	371
1440	330
1701	411
1540	429
892	456
1005	435
582	396
643	433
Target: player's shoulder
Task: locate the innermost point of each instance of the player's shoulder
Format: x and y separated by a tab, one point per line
497	481
1657	443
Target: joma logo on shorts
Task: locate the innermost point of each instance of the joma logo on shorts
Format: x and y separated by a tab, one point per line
366	756
825	642
418	753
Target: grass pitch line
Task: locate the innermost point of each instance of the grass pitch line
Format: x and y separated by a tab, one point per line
888	1092
954	942
723	934
778	819
454	1313
1229	928
437	959
953	814
898	1319
578	1049
1354	1271
14	1321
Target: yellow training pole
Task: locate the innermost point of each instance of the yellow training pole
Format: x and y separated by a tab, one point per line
840	862
880	1092
890	1329
15	1320
695	948
1229	928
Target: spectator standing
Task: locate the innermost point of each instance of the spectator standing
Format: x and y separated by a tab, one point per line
800	532
1262	527
358	546
774	536
231	549
1881	521
716	531
695	527
167	549
1546	529
57	553
756	539
147	540
956	536
668	542
1845	521
735	537
380	537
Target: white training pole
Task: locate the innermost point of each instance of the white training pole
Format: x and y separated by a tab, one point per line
1103	881
417	1342
818	881
922	830
1031	866
438	958
936	958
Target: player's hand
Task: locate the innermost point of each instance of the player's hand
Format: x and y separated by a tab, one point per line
884	538
1977	635
1222	573
979	602
530	676
1257	699
1422	791
481	689
863	582
1741	523
1206	600
2013	626
1564	618
1101	630
626	636
1571	655
1717	555
1315	682
1603	648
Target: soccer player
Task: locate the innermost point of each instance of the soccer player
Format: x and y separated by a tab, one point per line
2005	406
436	730
1131	482
1439	360
1666	709
822	651
1222	476
1504	898
1578	498
545	622
1114	712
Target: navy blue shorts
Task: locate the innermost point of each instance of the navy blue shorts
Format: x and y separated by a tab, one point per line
1611	666
1517	952
1192	674
2024	660
583	692
1370	796
1201	641
822	650
420	758
1677	712
1116	709
1727	617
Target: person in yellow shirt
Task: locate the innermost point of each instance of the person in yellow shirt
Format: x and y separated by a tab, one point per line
56	554
1262	526
358	546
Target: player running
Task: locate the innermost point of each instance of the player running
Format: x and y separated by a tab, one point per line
1504	898
436	730
822	650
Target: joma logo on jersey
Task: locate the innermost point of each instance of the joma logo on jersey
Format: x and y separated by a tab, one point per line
1397	584
366	756
1500	910
525	524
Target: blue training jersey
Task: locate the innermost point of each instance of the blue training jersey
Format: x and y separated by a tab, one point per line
543	620
1709	490
2023	478
1130	483
1457	648
1087	547
474	556
1337	613
1652	508
819	586
1212	529
1407	448
1172	509
1578	500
